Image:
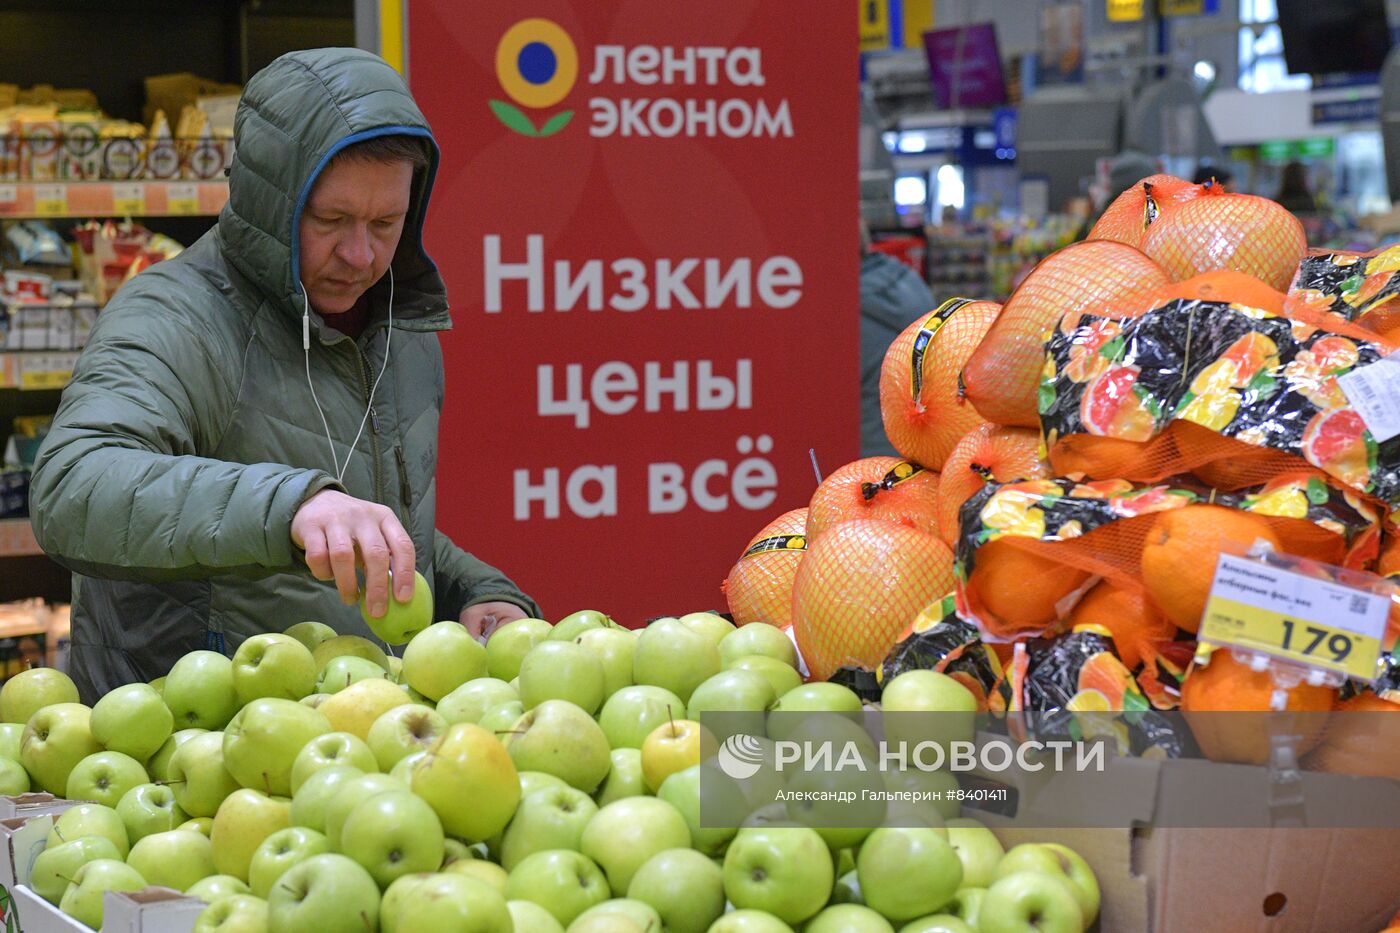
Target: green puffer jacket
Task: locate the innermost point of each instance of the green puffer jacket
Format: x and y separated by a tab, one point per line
188	437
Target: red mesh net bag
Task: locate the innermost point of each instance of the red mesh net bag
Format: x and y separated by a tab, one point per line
859	586
759	586
1138	206
1002	375
1228	231
988	453
921	398
886	488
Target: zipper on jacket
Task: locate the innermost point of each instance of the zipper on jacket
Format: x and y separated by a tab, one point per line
405	491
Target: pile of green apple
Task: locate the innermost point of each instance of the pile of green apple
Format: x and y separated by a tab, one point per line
548	780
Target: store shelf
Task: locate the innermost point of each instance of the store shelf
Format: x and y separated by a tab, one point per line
17	538
24	200
36	369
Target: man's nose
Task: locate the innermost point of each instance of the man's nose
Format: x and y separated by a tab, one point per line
355	249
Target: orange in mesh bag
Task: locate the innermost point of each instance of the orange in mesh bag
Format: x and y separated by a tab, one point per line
1002	375
987	453
886	488
1219	230
921	398
1138	206
860	585
759	586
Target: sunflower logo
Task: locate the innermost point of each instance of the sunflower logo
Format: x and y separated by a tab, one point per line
537	65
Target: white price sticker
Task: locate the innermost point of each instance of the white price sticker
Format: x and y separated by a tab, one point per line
1374	391
9	195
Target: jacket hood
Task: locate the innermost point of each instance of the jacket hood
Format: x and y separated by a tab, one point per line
294	116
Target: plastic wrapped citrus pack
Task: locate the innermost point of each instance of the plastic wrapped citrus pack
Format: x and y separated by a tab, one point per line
1359	287
940	641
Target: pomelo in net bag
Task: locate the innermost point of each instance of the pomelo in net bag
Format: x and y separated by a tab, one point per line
1138	206
876	487
1003	374
987	453
759	587
921	399
1242	232
859	586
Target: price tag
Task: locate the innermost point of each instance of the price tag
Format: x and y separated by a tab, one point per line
50	200
1372	391
1300	618
9	196
129	198
182	198
44	378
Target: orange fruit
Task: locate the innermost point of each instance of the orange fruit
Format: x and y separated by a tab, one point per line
1222	285
759	586
1134	623
1209	694
886	488
1127	218
1359	740
921	400
1018	591
988	453
1183	546
1241	232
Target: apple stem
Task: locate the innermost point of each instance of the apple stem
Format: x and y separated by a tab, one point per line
63	878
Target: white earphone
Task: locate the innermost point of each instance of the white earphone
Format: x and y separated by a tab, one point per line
306	350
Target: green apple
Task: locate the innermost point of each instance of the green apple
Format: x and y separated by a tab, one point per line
779	676
175	859
682	791
758	639
614	647
355	708
1030	900
562	881
345	670
315	794
673	656
617	915
441	658
217	887
848	918
149	808
749	921
199	691
198	776
488	873
731	692
314	700
353	645
553	818
392	835
279	852
404	730
633	713
966	905
499	719
396	670
204	825
328	893
271	665
158	685
937	923
264	738
454	902
455	850
576	623
90	819
508	645
350	796
672	746
685	887
710	624
237	913
29	691
625	833
133	720
530	917
311	634
14	780
784	870
104	777
329	749
55	739
83	899
625	779
559	738
403	768
938	805
847	887
469	702
908	700
1061	861
907	872
158	766
395	896
245	819
471	782
11	734
562	670
531	781
55	866
820	696
978	849
400	621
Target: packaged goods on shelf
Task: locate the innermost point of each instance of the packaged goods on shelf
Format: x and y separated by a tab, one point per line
110	254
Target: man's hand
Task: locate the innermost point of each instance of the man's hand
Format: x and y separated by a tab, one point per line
339	533
484	618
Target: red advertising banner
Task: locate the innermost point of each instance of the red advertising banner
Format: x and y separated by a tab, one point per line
646	215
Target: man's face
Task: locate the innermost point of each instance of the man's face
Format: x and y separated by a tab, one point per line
350	229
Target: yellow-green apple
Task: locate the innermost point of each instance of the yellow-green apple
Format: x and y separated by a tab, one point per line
780	676
314	700
562	670
937	923
617	915
499	719
272	665
673	656
355	708
927	706
10	735
907	872
488	873
508	645
310	634
683	886
315	794
396	670
441	658
175	859
978	849
198	776
624	779
404	730
841	803
149	808
350	796
784	870
938	800
559	738
455	850
352	645
199	691
749	921
328	893
133	720
90	819
682	791
55	866
237	913
397	622
345	670
279	852
245	819
83	899
29	691
331	748
216	887
14	780
394	897
672	746
758	639
633	713
531	781
967	905
104	777
471	782
813	705
710	624
847	888
848	918
1060	861
403	768
562	881
1030	900
392	835
264	738
55	739
576	623
454	902
624	834
158	766
469	702
614	648
530	917
731	692
552	818
204	825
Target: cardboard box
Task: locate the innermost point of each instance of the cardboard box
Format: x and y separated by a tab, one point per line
154	910
21	841
35	804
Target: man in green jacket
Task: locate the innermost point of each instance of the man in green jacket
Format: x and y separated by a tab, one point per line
258	416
